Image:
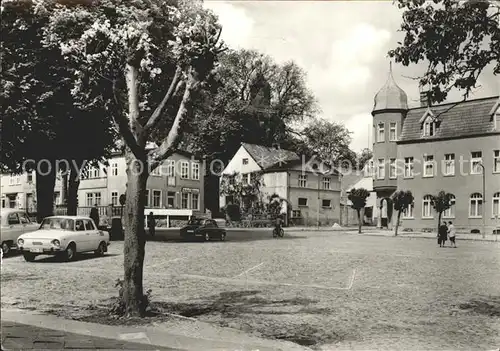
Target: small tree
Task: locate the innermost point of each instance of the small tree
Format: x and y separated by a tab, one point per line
358	199
441	203
402	200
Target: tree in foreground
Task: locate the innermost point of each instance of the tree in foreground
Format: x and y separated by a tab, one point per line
358	202
402	201
441	202
457	39
145	61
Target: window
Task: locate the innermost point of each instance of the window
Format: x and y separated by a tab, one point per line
147	198
156	198
93	199
12	180
427	207
450	213
392	168
245	161
302	201
79	226
195	201
114	169
476	205
30	176
326	183
449	164
171	199
326	203
23	218
170	168
393	131
244	178
114	198
408	167
496	161
380	132
303	180
496	204
296	214
408	213
476	160
195	171
428	166
156	172
13	219
88	225
184	170
184	200
381	168
95	172
429	127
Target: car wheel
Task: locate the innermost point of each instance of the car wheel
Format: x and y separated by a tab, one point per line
70	253
5	248
223	237
101	250
29	257
207	237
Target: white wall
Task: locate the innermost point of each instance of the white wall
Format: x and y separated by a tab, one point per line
236	163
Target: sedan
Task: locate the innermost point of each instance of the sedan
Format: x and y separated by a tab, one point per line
204	229
64	236
15	222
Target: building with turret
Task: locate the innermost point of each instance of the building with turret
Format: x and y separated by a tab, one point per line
453	147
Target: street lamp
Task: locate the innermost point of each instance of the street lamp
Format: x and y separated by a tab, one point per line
484	198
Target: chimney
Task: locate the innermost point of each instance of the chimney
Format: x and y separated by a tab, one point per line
425	98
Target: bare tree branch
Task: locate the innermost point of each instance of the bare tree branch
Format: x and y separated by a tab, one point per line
171	142
153	120
122	125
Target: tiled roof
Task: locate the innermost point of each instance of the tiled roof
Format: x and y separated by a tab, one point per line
298	164
456	120
267	157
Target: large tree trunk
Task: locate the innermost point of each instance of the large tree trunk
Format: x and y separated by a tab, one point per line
397	224
135	236
360	224
73	184
45	182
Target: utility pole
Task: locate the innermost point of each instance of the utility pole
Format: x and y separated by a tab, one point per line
484	198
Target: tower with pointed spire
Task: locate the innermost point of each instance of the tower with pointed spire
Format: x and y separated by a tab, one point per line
389	112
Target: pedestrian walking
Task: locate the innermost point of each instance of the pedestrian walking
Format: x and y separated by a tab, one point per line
94	215
151	224
442	234
452	233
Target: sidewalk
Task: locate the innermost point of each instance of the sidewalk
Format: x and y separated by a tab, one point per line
389	233
28	330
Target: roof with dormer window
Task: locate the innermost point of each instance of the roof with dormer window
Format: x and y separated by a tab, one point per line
457	119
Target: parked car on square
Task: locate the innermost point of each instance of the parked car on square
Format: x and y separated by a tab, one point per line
14	222
203	229
64	236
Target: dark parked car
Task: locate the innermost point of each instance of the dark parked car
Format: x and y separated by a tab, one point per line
204	229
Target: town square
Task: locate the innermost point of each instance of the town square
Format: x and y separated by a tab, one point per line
250	175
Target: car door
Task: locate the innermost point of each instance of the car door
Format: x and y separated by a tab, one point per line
82	237
216	229
93	235
207	224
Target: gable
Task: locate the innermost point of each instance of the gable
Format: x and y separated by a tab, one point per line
267	157
236	163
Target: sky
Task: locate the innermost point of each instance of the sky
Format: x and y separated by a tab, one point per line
341	45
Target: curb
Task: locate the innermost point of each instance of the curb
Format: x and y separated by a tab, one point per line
413	236
149	335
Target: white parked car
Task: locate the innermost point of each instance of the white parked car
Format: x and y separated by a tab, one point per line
64	236
14	223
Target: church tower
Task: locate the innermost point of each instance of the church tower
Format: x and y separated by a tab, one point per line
389	111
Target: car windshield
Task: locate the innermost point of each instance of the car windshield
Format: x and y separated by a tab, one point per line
58	223
195	221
